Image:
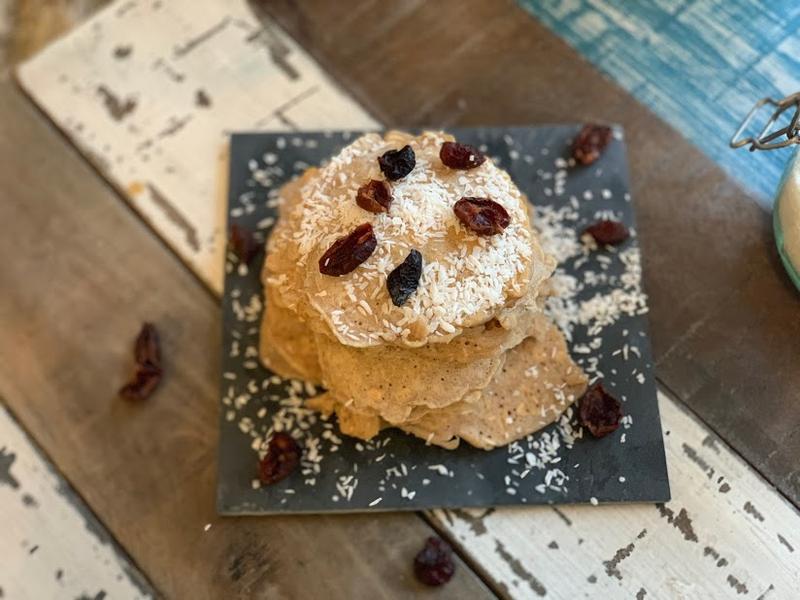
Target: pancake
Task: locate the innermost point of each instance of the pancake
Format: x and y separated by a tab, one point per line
287	345
482	341
537	383
390	381
283	255
470	355
364	425
467	279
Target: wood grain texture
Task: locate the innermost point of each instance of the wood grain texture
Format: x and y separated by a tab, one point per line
52	546
699	64
86	273
416	26
148	110
725	534
723	314
26	26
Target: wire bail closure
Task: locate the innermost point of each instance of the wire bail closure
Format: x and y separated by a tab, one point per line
764	140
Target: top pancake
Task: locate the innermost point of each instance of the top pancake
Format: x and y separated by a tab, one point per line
467	279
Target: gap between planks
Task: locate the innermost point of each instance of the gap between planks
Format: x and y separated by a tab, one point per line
676	398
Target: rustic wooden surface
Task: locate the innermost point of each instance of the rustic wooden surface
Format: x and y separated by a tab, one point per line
86	273
725	534
26	26
724	317
710	263
740	50
52	546
147	110
515	55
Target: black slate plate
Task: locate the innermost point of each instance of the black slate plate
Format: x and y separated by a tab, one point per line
397	471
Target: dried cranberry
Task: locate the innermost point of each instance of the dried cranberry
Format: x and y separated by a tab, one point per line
599	411
346	253
144	383
590	143
608	232
461	156
404	278
243	244
374	196
433	565
282	457
147	349
396	164
481	215
147	353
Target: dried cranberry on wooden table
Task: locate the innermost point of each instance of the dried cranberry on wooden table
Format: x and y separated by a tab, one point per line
147	376
374	196
461	156
434	565
396	164
608	232
404	278
144	383
590	143
282	457
243	244
346	253
481	215
599	411
147	348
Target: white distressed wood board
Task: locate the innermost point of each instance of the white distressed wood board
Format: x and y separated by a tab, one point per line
725	534
51	545
177	185
149	91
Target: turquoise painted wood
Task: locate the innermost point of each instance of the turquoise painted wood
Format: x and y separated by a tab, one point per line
699	64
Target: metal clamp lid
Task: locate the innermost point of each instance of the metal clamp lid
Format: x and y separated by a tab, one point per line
764	140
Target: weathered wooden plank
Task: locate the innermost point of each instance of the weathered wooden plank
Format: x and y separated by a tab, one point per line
52	545
26	26
527	63
723	313
85	273
701	68
725	534
710	265
148	110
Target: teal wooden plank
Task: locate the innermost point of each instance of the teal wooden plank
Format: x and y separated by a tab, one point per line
699	64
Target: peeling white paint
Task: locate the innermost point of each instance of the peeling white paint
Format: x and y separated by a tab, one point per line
51	545
705	543
137	118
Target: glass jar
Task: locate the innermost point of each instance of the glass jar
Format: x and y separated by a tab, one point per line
786	219
786	209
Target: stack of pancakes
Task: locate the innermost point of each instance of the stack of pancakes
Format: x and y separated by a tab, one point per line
470	355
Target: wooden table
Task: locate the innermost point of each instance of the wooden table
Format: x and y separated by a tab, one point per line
80	272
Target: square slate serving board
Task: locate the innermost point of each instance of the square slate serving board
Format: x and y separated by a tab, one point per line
396	471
